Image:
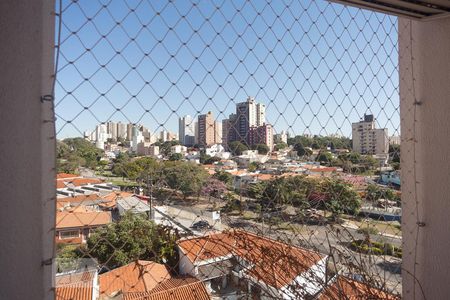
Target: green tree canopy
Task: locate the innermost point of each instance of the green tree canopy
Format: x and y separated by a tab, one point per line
75	152
262	148
185	177
280	146
132	238
324	157
176	156
301	150
237	148
225	177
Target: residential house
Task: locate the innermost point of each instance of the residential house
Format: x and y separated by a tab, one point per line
259	266
77	286
75	226
148	280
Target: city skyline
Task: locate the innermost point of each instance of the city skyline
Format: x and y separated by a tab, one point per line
310	81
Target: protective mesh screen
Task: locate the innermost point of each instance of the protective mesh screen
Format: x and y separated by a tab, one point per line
228	149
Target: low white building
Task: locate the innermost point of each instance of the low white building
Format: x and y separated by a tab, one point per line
249	156
178	149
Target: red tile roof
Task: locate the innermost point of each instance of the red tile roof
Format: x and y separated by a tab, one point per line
139	276
274	263
77	286
62	183
174	289
345	288
66	175
81	217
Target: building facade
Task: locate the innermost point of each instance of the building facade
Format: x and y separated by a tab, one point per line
369	140
206	129
186	131
261	135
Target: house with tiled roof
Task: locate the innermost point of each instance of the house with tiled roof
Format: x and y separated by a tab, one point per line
186	288
74	226
148	280
77	286
139	276
258	265
345	288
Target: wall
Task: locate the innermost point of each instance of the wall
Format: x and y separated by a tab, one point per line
27	163
425	108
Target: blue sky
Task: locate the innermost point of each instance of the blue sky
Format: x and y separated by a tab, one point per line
317	66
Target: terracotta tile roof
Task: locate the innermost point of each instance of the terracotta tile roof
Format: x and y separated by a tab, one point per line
92	199
345	288
62	183
274	263
323	170
81	217
113	196
139	276
174	289
77	286
66	175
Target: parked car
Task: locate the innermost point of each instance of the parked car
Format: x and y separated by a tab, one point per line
201	225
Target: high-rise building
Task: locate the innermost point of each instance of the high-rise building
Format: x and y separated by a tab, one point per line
248	114
186	131
112	129
129	132
369	140
261	135
121	130
196	132
225	132
218	132
206	129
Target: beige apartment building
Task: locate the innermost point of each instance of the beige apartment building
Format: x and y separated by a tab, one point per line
369	140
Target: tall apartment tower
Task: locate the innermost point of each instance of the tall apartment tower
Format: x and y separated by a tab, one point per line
369	140
112	129
130	132
248	114
218	134
206	129
121	130
186	130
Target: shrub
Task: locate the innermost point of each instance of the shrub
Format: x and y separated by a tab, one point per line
367	230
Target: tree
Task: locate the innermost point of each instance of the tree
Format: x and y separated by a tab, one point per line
211	160
324	157
262	148
301	150
280	146
165	147
237	148
185	177
214	188
340	197
132	238
175	156
75	152
225	177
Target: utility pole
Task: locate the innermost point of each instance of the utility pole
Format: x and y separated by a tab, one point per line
150	194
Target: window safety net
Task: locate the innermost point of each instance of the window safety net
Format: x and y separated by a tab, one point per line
226	150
